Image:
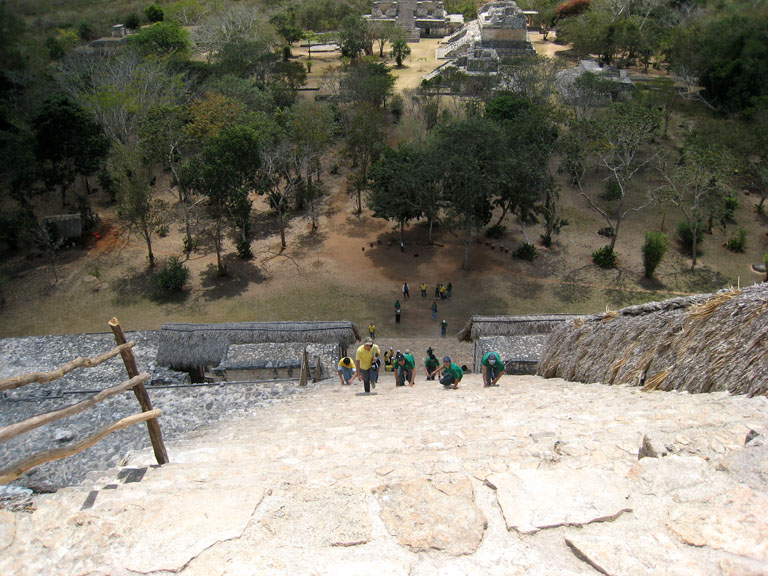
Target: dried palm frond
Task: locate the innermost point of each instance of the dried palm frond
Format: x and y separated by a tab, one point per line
655	381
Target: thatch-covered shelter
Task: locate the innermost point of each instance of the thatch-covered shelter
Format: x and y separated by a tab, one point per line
195	347
67	226
519	340
702	343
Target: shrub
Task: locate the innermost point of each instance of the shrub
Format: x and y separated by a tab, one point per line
655	247
612	190
737	243
171	277
189	245
572	8
244	249
163	230
396	106
604	257
496	231
730	203
154	13
132	21
685	233
526	252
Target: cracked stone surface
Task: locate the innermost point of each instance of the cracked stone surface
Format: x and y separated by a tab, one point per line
423	481
533	500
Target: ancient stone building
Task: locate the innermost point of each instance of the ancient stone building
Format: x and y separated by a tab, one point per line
421	19
501	29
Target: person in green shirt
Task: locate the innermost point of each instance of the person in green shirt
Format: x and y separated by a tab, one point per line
493	369
405	365
431	365
451	374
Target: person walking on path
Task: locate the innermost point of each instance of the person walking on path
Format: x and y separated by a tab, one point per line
405	365
397	311
437	290
423	288
431	366
364	358
346	371
434	309
406	291
450	374
493	369
443	327
372	331
443	292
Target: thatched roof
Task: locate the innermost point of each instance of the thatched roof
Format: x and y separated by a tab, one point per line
702	343
479	326
185	346
68	226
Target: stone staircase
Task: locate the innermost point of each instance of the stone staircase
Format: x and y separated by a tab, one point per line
406	19
533	477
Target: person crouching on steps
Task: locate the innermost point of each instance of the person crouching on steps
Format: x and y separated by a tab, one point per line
405	366
493	369
346	371
450	374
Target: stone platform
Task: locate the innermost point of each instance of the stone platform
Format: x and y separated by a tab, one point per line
534	477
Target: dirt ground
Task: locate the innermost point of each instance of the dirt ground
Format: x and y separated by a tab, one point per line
351	268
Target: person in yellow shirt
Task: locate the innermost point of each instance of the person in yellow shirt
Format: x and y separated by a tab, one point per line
423	288
366	357
372	331
346	371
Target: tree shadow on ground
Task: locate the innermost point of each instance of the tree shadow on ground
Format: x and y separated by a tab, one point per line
130	288
265	224
239	274
308	242
697	280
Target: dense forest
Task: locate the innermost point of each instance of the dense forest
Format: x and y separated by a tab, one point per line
207	91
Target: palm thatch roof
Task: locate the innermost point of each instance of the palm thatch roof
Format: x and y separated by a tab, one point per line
703	343
187	346
524	325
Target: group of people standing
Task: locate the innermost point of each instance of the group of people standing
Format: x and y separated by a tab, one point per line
368	360
442	292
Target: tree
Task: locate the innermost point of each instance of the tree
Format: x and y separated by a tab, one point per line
118	88
226	171
399	51
532	77
382	31
161	39
691	182
732	59
67	142
154	13
472	153
286	25
655	247
135	180
311	126
367	82
530	137
355	37
617	138
396	185
364	142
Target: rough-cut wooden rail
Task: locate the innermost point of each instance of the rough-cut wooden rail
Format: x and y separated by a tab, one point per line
153	426
10	473
43	377
13	430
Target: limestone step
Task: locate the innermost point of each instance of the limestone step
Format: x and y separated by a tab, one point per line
530	477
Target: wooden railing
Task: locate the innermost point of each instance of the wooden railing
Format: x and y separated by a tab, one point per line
136	382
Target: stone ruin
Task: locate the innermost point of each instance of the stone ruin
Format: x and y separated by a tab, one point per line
420	19
501	29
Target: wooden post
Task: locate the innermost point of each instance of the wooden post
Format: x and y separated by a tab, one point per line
153	426
304	368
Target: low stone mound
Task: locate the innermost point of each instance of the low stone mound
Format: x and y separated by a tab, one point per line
702	343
